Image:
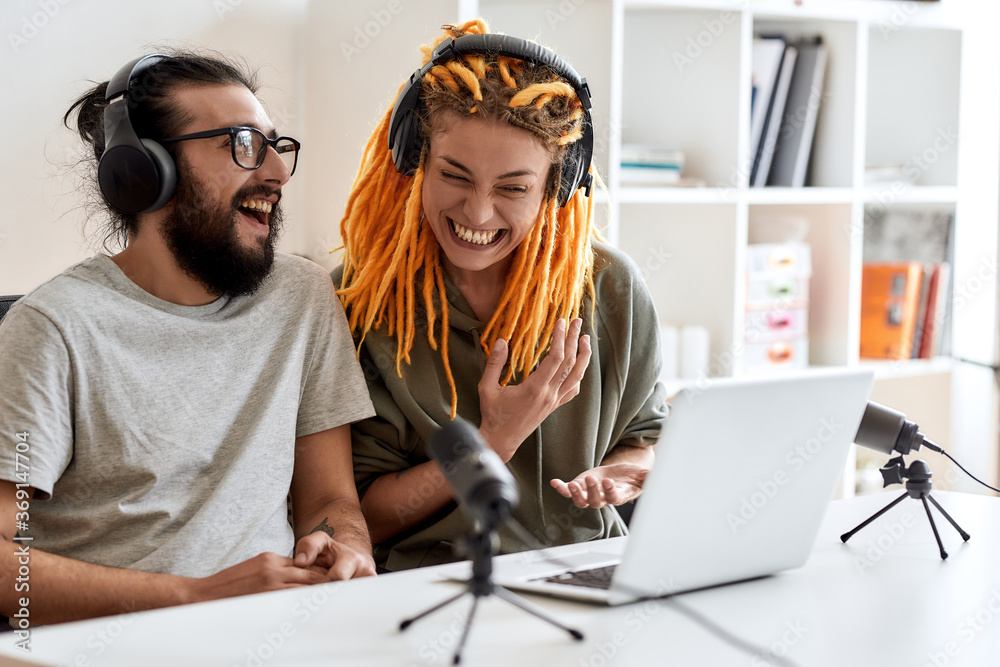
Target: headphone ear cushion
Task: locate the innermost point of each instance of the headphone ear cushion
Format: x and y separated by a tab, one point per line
168	174
135	180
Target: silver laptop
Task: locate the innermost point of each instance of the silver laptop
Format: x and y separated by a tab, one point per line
744	471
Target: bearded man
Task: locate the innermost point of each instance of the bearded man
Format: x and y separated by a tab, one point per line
160	407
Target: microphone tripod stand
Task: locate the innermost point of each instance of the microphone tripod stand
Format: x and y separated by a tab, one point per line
918	485
480	585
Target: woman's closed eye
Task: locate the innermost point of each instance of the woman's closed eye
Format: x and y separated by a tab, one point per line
510	189
453	177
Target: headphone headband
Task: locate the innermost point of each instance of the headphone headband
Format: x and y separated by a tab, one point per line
512	47
405	138
122	80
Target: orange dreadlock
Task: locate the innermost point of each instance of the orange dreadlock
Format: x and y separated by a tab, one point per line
386	244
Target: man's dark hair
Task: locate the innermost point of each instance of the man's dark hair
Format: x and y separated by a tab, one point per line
153	113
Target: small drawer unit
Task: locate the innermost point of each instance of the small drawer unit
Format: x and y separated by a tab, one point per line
777	306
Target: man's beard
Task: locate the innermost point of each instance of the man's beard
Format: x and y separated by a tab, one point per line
202	236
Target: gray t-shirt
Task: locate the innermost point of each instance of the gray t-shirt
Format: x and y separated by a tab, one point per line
162	437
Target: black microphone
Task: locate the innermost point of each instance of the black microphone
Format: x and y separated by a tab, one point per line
482	484
886	430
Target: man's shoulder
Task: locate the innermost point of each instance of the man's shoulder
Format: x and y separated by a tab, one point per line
297	288
79	287
297	271
293	280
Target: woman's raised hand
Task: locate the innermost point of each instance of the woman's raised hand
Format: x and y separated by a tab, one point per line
510	414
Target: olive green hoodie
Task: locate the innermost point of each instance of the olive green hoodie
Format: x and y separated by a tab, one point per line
620	402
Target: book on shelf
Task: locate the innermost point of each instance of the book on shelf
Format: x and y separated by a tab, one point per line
890	294
769	137
792	152
936	315
768	56
922	297
650	165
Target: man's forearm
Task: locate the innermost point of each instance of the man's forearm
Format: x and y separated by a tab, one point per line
61	589
340	519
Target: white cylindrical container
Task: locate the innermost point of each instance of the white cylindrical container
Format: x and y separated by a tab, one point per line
694	352
669	352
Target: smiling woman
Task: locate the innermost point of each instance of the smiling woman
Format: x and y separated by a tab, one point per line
483	186
477	286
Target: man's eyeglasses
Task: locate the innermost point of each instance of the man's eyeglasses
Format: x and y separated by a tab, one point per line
250	146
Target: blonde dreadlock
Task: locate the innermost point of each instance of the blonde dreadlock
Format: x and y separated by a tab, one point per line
386	244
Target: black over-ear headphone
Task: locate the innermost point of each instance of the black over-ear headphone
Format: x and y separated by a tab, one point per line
136	175
405	138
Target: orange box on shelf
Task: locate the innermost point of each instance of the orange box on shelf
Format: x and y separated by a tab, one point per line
890	298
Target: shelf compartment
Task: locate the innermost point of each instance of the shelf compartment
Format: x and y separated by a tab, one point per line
674	60
829	238
691	259
834	144
912	107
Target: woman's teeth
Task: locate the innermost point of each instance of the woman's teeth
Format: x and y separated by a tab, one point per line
470	236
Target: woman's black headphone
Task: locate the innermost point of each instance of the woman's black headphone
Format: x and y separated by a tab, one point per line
405	138
136	175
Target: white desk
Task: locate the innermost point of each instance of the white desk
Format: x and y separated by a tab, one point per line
884	598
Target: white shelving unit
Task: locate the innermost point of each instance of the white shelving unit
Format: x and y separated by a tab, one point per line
905	81
898	80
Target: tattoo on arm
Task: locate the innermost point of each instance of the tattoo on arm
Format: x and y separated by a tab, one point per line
323	527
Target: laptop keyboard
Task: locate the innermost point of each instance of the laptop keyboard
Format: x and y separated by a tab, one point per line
598	577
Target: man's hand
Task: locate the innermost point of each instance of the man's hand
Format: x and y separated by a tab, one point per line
338	561
510	414
264	572
612	484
